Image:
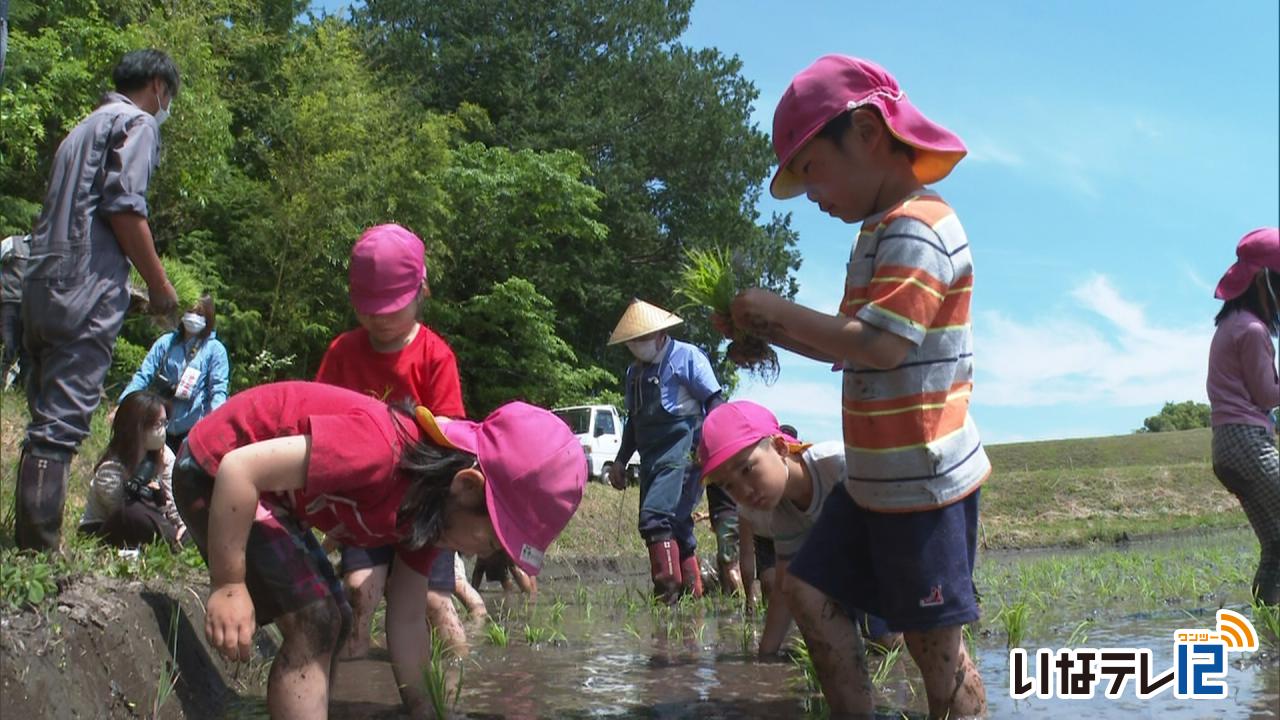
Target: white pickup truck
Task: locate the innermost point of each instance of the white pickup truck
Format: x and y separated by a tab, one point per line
599	429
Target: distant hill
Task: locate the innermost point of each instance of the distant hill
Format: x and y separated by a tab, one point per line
1148	449
1104	489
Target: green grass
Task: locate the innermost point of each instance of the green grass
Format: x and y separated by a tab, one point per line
1137	449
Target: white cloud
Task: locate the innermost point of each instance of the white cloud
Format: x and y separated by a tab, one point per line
982	149
1104	353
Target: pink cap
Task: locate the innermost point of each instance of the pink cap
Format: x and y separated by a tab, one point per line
534	473
733	426
387	269
838	83
1259	249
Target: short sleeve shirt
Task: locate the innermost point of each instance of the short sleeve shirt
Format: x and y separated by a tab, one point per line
789	525
909	439
686	377
424	372
353	489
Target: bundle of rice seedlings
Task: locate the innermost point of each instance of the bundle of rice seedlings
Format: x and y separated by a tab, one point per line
707	279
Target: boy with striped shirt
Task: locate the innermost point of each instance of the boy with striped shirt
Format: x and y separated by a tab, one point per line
898	539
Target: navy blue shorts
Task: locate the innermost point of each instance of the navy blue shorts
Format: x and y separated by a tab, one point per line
440	578
914	570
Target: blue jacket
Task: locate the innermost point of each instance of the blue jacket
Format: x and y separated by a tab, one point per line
210	391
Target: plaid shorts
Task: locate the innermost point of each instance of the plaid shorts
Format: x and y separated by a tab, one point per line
1247	462
285	568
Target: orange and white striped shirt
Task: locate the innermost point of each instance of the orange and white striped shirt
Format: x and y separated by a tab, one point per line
910	444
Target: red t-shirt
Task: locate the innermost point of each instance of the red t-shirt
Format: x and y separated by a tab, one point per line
353	489
424	372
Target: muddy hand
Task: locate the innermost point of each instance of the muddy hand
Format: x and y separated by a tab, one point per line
753	311
618	476
722	324
229	621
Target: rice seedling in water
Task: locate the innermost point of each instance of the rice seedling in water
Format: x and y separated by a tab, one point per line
496	634
889	658
535	634
557	612
1014	619
746	636
631	630
436	677
582	595
803	661
707	280
1080	635
1267	618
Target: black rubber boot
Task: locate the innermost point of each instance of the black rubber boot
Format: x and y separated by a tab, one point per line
42	490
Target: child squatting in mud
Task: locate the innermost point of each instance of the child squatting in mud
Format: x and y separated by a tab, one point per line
278	458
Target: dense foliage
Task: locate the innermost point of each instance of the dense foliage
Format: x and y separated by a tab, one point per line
557	158
1187	415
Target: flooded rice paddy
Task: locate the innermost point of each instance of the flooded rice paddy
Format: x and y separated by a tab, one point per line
597	648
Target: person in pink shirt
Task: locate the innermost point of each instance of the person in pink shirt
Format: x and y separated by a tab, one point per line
1244	388
274	461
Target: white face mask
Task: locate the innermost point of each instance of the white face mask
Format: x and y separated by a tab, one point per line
162	113
193	323
154	439
644	350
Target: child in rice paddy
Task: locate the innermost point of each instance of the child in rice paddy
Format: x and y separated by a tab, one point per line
392	356
278	459
1244	387
780	485
899	537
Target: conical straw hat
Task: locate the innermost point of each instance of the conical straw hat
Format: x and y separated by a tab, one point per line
640	319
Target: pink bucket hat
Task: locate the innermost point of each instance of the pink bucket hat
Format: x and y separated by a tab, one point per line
387	269
534	473
834	84
1256	250
733	426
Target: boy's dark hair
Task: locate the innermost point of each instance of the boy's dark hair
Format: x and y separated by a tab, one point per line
835	129
139	67
790	430
1256	301
430	469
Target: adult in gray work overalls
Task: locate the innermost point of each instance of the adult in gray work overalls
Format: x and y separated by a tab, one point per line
75	292
669	390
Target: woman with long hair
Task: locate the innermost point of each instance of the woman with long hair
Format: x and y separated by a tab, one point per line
130	499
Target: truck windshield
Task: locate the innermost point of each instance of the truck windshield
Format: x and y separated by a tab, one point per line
578	419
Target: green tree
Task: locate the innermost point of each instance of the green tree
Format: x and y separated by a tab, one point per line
665	129
1186	415
512	351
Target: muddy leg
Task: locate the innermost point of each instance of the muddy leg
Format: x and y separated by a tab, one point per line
364	589
836	648
298	686
951	680
443	620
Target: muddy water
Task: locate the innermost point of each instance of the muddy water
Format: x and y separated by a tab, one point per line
693	664
607	654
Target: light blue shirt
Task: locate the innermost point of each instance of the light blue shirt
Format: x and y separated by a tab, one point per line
169	354
685	375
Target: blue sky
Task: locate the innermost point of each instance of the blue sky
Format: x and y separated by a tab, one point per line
1118	150
1117	153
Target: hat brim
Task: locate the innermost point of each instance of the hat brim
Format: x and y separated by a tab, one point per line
1236	280
383	305
938	150
463	435
723	455
621	335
